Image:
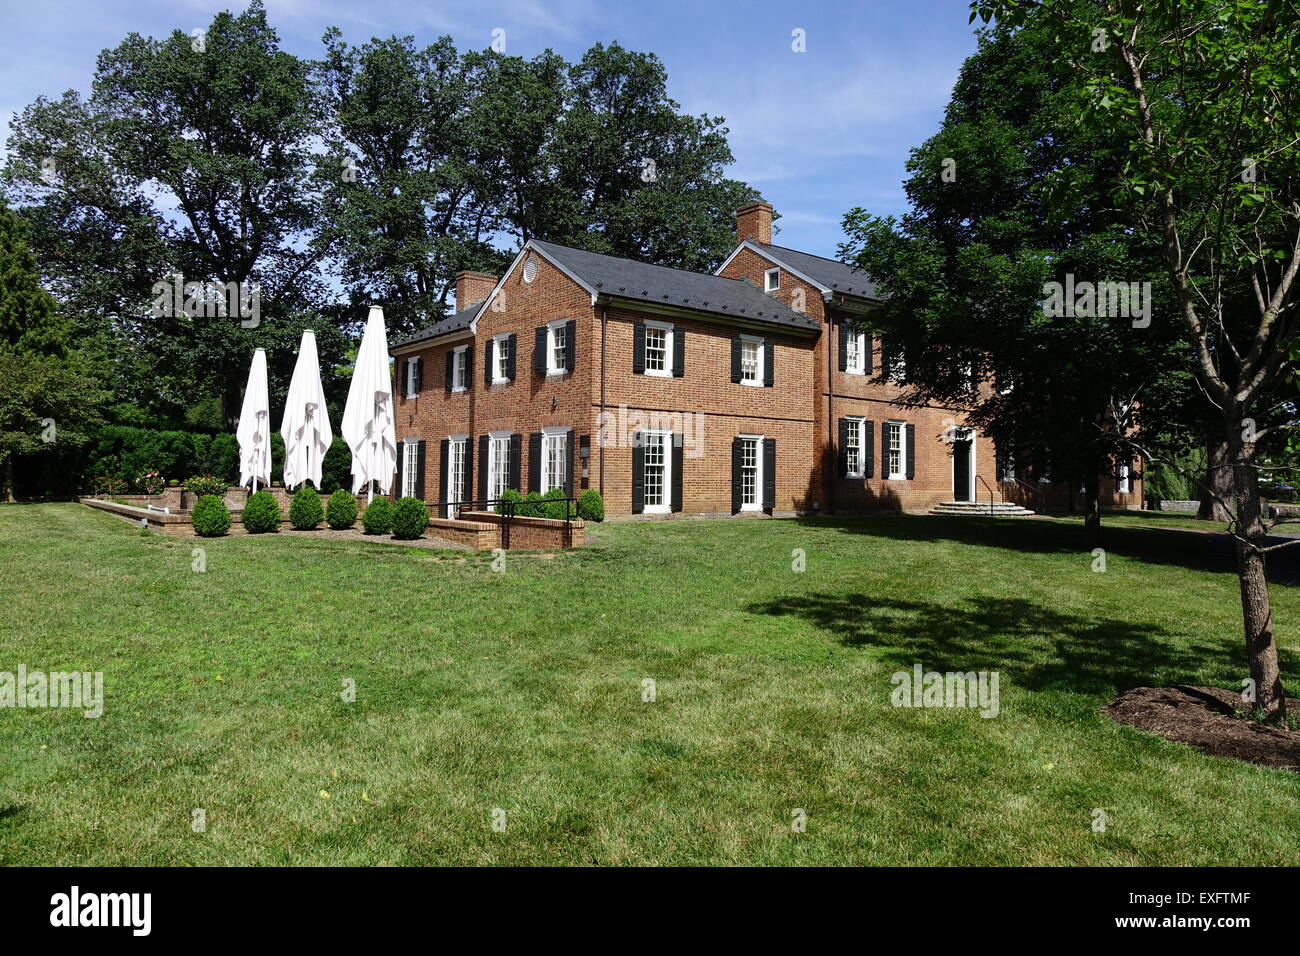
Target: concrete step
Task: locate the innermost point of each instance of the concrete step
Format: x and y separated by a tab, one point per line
999	509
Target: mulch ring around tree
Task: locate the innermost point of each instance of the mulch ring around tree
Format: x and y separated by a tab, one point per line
1204	717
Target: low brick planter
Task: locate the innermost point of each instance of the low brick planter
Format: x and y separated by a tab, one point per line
531	533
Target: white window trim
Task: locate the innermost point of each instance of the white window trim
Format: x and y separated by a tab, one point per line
554	431
760	372
412	364
458	369
497	379
669	332
551	370
863	451
491	464
769	275
1124	483
452	442
901	475
410	465
860	367
667	506
758	473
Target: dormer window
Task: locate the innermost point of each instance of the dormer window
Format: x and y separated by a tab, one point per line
771	280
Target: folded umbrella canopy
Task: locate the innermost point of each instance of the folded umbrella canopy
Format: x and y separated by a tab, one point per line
368	416
306	425
254	427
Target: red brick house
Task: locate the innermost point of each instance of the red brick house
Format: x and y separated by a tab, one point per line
750	390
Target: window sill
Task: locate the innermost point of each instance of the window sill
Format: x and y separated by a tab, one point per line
860	372
897	478
553	373
501	381
658	373
751	507
459	388
851	475
657	510
751	384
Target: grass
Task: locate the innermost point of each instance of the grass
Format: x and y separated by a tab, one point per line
522	690
1166	519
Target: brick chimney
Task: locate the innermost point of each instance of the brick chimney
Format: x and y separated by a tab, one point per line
472	288
754	221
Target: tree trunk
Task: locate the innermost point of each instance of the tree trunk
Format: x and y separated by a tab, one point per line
1256	612
9	479
1092	514
1218	482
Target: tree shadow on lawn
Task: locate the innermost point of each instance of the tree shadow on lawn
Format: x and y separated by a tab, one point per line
1193	550
1032	646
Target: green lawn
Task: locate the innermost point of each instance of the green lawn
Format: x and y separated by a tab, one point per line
521	690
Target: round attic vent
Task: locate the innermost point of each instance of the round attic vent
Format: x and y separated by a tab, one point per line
530	269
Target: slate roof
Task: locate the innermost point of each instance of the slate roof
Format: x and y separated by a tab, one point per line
453	323
829	272
640	281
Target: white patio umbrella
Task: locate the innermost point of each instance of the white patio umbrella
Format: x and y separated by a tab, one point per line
254	427
306	425
368	416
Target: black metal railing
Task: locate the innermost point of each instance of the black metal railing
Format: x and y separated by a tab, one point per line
511	508
990	490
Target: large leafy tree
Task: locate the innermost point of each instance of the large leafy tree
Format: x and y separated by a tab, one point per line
1195	102
1010	194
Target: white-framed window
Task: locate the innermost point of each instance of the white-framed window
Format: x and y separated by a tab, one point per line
501	358
557	341
657	449
854	454
855	352
498	463
771	280
410	466
751	472
658	348
896	448
457	452
554	460
1124	481
412	374
751	360
459	366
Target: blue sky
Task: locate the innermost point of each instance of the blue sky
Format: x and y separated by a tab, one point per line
817	132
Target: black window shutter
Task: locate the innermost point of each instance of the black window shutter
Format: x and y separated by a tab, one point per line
444	472
535	462
469	467
679	353
844	347
769	352
677	473
483	459
769	474
419	373
567	467
638	348
401	460
866	454
844	447
539	350
469	366
510	358
638	474
866	354
570	344
451	370
516	446
911	450
737	455
487	362
735	359
403	375
419	469
884	449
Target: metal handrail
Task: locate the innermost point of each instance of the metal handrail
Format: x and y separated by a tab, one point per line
507	508
981	480
1042	495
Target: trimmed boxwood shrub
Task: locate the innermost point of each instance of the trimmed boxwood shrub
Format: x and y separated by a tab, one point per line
210	517
410	518
531	506
378	517
341	512
591	506
510	495
552	508
305	511
261	513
